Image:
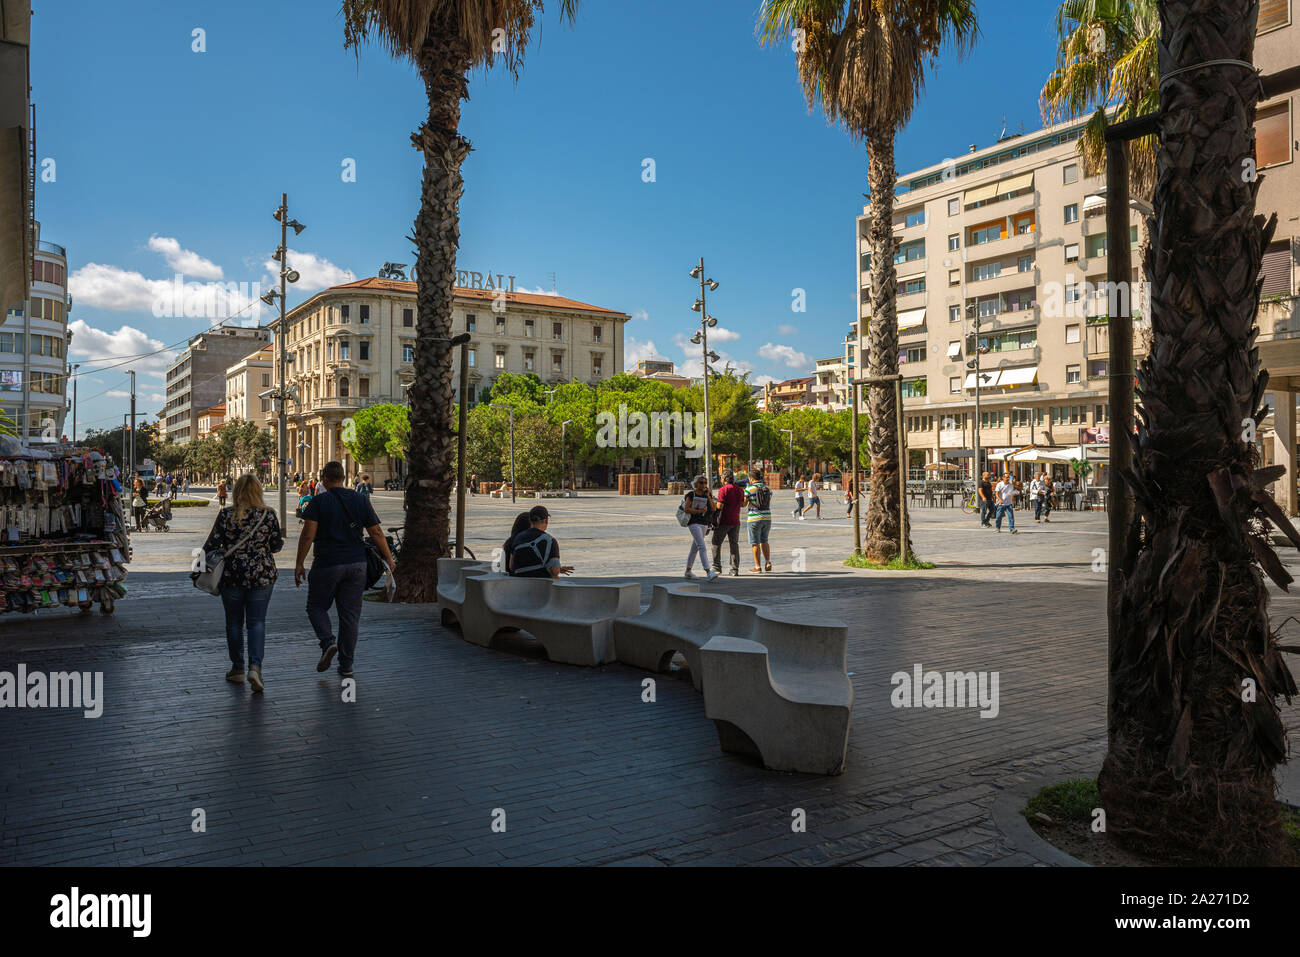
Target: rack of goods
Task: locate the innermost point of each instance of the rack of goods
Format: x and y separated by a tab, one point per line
63	537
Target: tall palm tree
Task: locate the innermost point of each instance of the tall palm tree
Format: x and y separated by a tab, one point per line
1106	60
1196	730
863	62
444	39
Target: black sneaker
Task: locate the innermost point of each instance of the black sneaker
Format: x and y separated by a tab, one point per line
345	672
735	571
326	657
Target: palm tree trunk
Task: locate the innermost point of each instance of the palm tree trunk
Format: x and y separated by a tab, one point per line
882	531
444	62
1196	729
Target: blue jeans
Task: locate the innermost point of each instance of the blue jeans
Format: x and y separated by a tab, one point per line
1010	514
246	606
341	585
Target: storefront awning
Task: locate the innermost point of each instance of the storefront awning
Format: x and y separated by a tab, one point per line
987	379
911	318
1015	183
979	194
1026	375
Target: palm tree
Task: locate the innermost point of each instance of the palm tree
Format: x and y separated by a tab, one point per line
1106	60
444	39
1196	732
863	62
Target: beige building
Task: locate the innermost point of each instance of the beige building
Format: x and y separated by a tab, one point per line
246	381
790	393
210	420
661	370
830	390
197	379
353	345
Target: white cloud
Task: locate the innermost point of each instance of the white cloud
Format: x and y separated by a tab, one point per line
786	355
184	260
124	290
539	291
787	330
762	379
121	290
719	334
641	314
635	350
96	345
315	272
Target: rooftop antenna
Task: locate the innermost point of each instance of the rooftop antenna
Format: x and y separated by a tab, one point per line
1003	134
553	291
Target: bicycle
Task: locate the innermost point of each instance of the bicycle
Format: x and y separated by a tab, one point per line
394	539
971	504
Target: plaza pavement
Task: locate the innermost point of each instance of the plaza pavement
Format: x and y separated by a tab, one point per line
443	734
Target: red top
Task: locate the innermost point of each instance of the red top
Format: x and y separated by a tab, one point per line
731	498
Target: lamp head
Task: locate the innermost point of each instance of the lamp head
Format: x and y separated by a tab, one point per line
696	272
712	285
292	275
296	226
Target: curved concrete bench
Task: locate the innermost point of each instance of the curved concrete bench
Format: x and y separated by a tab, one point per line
571	620
782	694
452	573
679	619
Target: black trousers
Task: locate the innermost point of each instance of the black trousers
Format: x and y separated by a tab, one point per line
732	534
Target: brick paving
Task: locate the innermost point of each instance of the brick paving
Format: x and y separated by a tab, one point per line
444	733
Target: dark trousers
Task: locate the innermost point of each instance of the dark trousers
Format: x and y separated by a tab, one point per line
986	511
341	585
732	534
1039	507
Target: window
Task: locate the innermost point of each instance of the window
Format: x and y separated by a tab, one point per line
530	328
364	347
1072	253
408	354
597	365
912	286
954	313
1276	269
530	362
51	309
345	387
913	388
473	356
986	271
954	242
1072	213
1024	263
913	354
1071	374
1272	14
910	252
1098	369
557	330
1072	291
365	314
1101	413
47	272
988	306
954	277
345	350
363	386
954	206
1072	333
1024	224
408	318
954	384
470	323
11	342
985	234
1070	174
596	333
1273	134
915	218
329	350
557	361
501	325
266	379
499	361
344	313
1096	246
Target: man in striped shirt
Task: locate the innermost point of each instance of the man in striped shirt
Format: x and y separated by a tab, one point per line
758	499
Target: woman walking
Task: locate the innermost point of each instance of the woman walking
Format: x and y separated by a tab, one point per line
814	498
139	501
848	498
221	494
248	535
697	504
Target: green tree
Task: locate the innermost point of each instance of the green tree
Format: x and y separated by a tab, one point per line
444	39
863	62
487	432
537	453
378	430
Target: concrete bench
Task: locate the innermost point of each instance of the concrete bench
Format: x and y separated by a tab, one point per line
782	694
452	573
679	619
571	620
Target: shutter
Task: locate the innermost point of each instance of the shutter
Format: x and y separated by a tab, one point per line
1276	271
1272	13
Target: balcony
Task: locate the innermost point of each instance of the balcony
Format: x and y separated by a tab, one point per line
1015	244
349	402
1003	207
52	248
1010	281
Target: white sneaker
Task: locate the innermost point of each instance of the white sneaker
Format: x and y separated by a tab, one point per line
712	575
801	517
689	574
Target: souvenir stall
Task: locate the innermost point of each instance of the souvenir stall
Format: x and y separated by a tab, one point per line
63	537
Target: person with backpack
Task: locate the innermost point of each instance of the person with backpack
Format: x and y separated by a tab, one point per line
333	522
363	487
730	497
697	504
534	552
758	499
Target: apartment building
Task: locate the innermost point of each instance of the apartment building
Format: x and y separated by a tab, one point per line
196	381
353	345
661	370
246	381
830	390
211	420
789	394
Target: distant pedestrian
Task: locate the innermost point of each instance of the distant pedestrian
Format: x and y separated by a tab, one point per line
814	494
221	494
247	535
534	552
1049	490
730	497
1006	499
986	503
849	491
363	487
1038	496
473	484
800	486
333	523
758	500
139	501
698	503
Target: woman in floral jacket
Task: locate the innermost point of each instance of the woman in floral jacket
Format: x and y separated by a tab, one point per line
249	574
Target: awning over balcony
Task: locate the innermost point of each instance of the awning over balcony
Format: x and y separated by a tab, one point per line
980	193
1026	375
1093	201
911	318
1015	183
988	379
954	350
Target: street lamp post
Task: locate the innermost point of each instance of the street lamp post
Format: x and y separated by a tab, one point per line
511	410
287	275
853	482
791	431
750	465
74	402
701	339
132	460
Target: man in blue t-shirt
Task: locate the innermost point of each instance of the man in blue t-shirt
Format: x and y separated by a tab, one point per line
333	522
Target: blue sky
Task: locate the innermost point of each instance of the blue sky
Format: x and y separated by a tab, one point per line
172	160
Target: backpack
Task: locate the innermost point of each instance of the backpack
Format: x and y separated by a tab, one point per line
762	498
539	549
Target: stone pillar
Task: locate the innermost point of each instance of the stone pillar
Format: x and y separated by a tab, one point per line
1284	448
329	441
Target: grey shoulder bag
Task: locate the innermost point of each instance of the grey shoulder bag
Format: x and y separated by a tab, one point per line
209	580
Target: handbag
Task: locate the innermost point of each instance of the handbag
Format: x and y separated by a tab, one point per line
209	580
683	516
375	565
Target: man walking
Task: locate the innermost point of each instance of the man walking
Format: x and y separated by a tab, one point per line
758	498
986	501
333	522
1006	498
730	497
1036	491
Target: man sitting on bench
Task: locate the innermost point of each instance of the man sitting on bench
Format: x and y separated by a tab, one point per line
534	552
